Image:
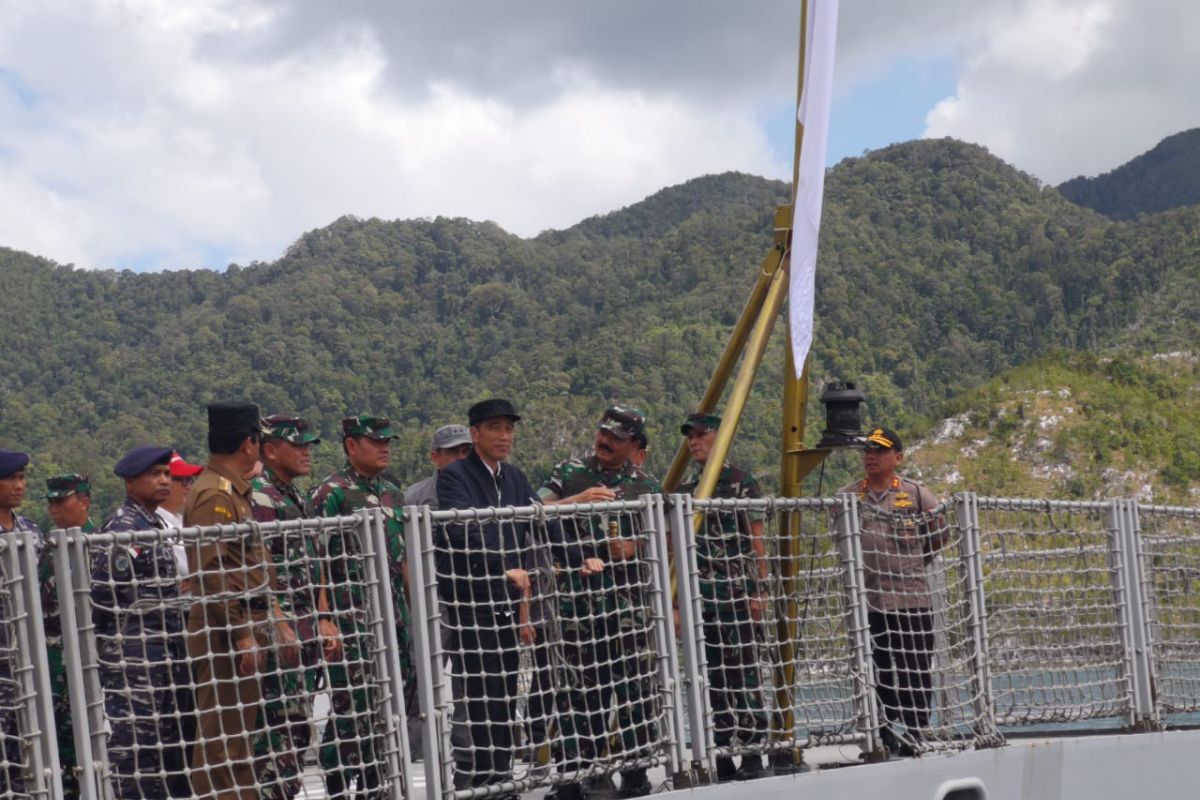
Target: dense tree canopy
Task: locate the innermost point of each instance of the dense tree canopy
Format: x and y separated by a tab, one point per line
940	268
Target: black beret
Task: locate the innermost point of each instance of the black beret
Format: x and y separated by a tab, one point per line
233	418
492	408
12	461
142	458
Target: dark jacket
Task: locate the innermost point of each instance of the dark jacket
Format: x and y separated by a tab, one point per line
472	557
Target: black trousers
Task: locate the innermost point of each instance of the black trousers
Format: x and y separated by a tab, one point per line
484	641
903	648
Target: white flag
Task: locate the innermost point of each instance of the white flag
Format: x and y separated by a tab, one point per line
813	114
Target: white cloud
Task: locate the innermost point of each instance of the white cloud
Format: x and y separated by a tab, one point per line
173	134
1067	87
172	130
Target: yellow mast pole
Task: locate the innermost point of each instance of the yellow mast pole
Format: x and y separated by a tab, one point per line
791	475
733	349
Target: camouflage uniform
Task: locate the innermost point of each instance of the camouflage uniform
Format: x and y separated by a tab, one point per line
603	620
350	737
284	733
137	611
12	751
728	579
60	486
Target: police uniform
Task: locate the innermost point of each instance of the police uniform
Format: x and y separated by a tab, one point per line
350	746
232	579
729	578
57	487
138	616
603	619
13	769
899	539
284	730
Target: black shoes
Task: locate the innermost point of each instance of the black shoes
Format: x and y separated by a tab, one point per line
634	783
566	791
726	771
752	767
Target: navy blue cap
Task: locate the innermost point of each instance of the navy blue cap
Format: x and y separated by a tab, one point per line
12	461
487	409
142	458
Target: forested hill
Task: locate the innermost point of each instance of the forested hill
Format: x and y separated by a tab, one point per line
940	268
1165	177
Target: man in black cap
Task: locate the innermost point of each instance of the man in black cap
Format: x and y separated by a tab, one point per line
485	588
227	626
12	494
900	536
350	749
603	621
69	501
285	728
139	632
730	557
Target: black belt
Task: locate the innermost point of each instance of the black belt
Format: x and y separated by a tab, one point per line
257	604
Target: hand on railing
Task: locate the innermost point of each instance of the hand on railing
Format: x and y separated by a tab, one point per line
593	494
288	644
251	657
331	639
519	578
591	566
758	603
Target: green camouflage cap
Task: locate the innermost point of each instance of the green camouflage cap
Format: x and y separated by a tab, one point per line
66	485
294	430
372	427
624	422
701	423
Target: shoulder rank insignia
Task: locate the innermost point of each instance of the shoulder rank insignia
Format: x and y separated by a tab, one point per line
223	485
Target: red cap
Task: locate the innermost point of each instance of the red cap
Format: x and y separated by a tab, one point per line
182	469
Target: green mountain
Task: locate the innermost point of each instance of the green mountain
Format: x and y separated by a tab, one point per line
1074	425
941	267
1163	178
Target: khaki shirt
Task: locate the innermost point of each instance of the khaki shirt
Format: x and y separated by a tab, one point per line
234	571
900	536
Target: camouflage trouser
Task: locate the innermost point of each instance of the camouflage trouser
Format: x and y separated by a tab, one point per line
349	746
139	701
12	763
284	732
633	691
591	652
734	684
62	723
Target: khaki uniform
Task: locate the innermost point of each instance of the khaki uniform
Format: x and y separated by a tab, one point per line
227	702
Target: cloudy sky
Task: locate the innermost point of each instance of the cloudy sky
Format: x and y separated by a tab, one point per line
149	134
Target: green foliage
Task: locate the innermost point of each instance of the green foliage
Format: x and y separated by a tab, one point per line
941	267
1161	179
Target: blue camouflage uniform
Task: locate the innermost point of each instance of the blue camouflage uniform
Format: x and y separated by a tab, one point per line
138	614
13	766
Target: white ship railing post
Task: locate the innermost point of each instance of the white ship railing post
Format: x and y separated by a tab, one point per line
1120	578
967	512
1145	710
31	671
427	649
654	524
386	652
71	579
849	542
691	621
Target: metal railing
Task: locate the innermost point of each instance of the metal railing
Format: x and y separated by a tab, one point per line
711	630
